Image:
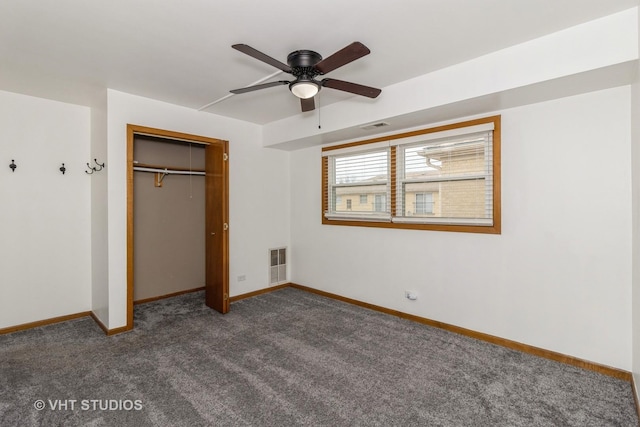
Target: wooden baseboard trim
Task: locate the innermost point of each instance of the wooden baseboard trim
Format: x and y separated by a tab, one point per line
174	294
44	322
634	390
525	348
258	292
115	331
99	323
106	330
119	330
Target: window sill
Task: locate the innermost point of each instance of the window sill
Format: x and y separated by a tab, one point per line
460	228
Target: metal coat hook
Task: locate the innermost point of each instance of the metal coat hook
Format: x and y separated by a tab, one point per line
94	168
13	165
99	164
63	169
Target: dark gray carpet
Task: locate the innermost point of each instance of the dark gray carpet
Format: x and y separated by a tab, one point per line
289	358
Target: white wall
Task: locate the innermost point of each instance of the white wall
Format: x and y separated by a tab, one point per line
559	275
45	230
259	191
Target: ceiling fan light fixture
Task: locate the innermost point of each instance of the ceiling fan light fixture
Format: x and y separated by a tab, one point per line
304	89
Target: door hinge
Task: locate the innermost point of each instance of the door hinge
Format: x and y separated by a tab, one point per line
225	226
226	296
225	156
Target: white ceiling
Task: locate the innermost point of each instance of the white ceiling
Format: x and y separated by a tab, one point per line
180	51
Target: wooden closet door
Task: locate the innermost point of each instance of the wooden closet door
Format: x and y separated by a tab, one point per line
217	228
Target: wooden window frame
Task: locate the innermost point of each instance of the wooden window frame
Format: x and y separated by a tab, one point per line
495	228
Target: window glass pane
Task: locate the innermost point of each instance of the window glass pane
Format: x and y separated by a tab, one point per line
447	199
358	181
444	159
448	178
361	168
348	198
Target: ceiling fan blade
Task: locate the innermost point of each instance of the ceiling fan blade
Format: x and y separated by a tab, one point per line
307	104
258	87
370	92
342	57
262	57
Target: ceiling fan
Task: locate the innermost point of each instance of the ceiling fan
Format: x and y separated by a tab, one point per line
305	65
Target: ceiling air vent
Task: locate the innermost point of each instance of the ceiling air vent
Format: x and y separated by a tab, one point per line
374	126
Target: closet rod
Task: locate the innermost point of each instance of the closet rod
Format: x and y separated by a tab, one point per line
167	171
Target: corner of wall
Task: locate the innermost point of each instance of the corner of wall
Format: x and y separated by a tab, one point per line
99	224
635	228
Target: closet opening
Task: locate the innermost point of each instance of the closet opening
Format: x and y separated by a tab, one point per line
177	217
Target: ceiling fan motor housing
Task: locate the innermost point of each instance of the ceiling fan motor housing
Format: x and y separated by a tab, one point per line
302	63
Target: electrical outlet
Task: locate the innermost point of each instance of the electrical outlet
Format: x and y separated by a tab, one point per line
242	278
410	295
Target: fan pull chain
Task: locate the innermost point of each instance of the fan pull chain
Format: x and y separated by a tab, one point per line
319	109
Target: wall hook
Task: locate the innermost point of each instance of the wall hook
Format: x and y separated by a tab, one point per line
94	168
63	169
13	166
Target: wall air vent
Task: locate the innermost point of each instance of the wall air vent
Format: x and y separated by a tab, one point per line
374	126
277	266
